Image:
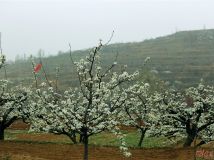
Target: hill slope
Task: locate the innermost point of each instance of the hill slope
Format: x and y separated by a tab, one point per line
182	59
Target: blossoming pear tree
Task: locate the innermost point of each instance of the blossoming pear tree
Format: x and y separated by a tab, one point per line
189	115
42	101
139	108
91	108
11	103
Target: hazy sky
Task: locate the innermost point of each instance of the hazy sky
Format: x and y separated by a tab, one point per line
30	25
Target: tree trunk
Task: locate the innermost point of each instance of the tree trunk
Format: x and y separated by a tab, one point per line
81	139
191	130
142	131
85	156
201	143
1	133
190	138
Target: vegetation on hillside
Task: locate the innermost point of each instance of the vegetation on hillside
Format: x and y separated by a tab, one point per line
180	59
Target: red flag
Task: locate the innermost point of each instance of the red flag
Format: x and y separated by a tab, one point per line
37	67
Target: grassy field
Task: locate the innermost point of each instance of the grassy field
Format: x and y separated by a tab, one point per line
22	145
103	139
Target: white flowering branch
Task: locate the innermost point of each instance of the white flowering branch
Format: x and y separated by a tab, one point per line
188	115
93	107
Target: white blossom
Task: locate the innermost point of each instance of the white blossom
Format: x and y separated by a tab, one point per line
93	107
188	115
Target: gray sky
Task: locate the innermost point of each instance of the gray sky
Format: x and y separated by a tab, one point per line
30	25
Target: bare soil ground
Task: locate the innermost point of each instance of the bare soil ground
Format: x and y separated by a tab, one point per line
20	125
13	150
32	151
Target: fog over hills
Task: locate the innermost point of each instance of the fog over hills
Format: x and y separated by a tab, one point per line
181	59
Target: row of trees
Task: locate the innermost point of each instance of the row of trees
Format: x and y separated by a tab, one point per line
12	102
106	99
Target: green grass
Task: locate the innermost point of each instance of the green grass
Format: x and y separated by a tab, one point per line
103	139
133	138
11	134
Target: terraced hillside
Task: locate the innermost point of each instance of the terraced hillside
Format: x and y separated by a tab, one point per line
182	59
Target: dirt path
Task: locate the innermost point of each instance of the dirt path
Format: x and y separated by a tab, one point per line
27	151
